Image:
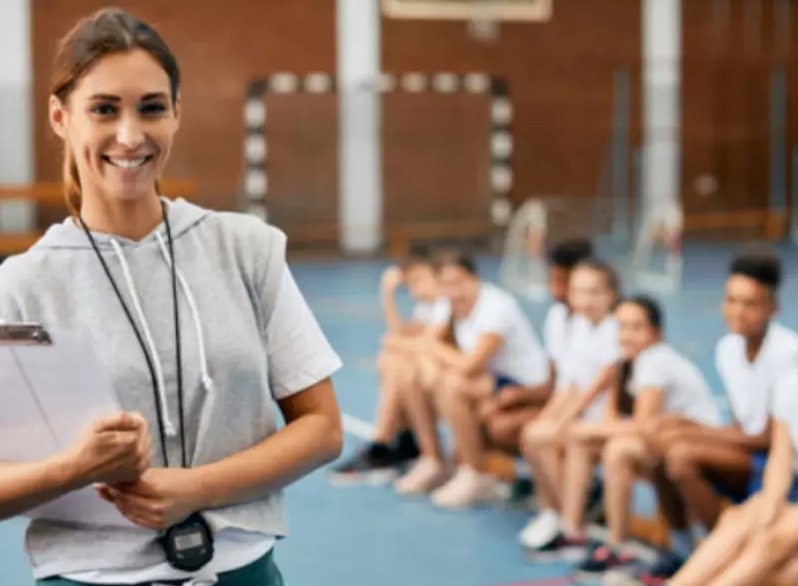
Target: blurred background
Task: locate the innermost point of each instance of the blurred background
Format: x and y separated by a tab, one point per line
665	130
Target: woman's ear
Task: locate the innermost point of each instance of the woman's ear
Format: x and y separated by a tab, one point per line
57	117
178	109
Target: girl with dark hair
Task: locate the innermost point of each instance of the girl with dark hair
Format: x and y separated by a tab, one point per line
655	381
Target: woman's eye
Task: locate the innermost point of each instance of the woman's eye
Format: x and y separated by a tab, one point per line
153	109
104	109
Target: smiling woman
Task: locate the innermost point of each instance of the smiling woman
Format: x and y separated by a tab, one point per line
208	503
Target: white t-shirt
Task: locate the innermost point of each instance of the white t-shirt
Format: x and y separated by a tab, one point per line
785	405
520	356
299	356
686	392
431	313
555	332
591	348
750	385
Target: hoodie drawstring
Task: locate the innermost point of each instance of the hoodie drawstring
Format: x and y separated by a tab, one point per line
169	426
207	381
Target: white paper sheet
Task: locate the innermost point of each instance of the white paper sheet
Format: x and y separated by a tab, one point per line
48	393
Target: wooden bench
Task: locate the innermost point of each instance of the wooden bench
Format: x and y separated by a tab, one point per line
51	194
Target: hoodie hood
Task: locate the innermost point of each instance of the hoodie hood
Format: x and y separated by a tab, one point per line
183	216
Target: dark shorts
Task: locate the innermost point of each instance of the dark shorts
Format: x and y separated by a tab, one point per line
501	381
263	572
755	481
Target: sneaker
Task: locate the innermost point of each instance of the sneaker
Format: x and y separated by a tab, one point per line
406	448
540	530
561	547
658	574
376	464
426	475
470	487
602	559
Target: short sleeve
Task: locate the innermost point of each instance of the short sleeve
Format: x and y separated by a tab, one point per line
496	318
298	352
609	351
650	371
784	405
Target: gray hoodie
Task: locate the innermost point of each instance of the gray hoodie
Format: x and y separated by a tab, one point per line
230	267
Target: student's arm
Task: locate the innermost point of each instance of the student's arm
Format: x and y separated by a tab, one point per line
516	396
113	449
648	406
391	279
600	384
733	434
474	362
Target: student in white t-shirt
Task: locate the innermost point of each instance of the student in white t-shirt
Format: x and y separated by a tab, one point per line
494	347
654	380
707	463
757	542
590	368
394	445
505	414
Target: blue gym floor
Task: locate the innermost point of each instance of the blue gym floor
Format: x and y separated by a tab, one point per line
369	536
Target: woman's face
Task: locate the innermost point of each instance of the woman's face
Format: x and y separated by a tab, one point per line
119	124
635	332
460	287
589	293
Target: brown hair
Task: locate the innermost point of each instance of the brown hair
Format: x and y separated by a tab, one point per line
106	32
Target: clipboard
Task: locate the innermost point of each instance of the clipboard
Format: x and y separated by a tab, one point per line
51	387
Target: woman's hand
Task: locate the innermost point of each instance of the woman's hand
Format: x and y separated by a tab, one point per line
113	449
161	498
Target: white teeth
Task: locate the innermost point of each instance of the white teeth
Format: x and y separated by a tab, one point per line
128	163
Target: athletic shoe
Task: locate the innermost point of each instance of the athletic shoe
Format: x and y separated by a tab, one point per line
541	530
602	559
656	575
469	487
375	464
426	475
406	447
561	547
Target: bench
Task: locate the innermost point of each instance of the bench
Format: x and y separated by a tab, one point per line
51	194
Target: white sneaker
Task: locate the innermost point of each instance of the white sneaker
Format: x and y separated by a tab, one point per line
469	487
540	530
426	474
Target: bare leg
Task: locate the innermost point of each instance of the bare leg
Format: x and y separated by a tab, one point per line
504	428
693	467
396	371
418	401
542	448
461	400
622	458
766	553
580	458
718	550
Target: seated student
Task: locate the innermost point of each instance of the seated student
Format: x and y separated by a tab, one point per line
758	541
704	461
654	379
495	347
504	414
590	369
394	444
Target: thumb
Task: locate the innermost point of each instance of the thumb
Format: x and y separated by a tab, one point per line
124	421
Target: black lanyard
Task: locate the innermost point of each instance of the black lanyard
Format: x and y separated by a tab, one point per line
140	339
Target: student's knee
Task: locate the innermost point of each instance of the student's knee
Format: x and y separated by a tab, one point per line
619	452
538	434
502	433
680	461
732	517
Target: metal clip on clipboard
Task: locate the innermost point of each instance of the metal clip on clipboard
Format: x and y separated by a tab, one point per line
51	387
